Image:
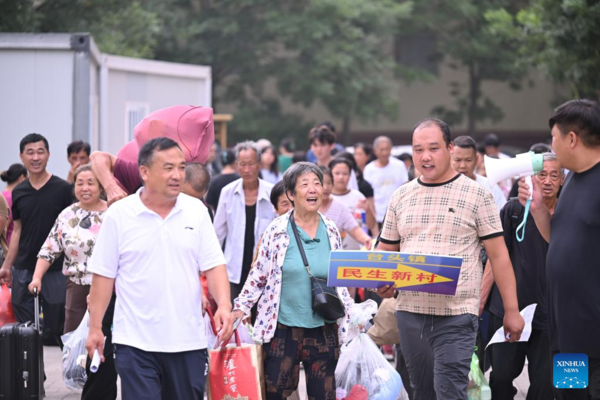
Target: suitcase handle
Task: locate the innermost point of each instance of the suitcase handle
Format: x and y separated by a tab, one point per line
36	307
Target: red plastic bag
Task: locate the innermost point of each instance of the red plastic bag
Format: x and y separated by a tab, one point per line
7	314
236	372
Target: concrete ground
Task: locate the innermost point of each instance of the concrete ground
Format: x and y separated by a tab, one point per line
56	390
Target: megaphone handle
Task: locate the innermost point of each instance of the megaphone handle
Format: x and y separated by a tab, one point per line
521	226
530	184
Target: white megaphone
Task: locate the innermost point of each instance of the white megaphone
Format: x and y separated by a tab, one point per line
524	165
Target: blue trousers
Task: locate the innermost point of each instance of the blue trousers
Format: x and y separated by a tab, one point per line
161	376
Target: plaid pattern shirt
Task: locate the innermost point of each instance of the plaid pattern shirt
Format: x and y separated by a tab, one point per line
450	219
263	285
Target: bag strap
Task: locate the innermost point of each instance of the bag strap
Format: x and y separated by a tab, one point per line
299	241
213	326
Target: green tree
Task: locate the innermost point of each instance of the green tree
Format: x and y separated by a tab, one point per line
468	43
560	37
17	16
329	52
125	28
337	53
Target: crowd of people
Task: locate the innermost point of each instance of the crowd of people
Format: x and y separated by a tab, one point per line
135	241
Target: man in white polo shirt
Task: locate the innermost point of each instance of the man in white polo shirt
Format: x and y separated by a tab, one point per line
151	248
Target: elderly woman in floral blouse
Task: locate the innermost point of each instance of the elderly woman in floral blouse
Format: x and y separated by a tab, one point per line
286	324
74	235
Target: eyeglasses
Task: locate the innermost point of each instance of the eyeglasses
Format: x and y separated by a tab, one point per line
554	177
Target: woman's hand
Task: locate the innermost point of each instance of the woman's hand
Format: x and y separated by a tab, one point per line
237	314
35	283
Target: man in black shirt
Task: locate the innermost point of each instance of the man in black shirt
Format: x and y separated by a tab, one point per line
37	201
573	233
529	262
228	174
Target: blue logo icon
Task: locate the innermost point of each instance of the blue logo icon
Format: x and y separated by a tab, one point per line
570	371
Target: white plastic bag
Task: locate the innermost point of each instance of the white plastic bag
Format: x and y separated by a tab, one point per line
362	366
75	355
360	314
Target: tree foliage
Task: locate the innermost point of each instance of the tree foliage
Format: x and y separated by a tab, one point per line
561	37
326	52
468	43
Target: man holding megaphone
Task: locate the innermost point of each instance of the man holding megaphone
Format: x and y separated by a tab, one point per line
573	233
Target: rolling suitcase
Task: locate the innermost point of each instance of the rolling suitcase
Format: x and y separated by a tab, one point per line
21	360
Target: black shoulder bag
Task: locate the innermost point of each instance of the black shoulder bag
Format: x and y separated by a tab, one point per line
325	300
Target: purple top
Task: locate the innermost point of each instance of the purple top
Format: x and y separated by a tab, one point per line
127	175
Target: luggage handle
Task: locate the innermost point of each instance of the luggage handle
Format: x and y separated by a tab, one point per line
36	306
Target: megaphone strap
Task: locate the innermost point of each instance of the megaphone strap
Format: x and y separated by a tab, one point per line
521	226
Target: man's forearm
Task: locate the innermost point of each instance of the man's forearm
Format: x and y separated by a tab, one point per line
504	277
218	285
542	221
100	294
102	167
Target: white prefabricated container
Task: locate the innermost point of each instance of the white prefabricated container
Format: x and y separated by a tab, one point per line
62	86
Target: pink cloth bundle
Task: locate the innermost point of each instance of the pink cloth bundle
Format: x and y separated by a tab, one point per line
190	126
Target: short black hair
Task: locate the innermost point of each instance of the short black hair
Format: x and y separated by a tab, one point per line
197	176
326	171
227	157
322	134
340	160
13	173
328	124
405	156
288	144
348	156
77	146
152	146
276	192
466	142
367	148
541	148
491	140
299	156
436	122
33	138
581	117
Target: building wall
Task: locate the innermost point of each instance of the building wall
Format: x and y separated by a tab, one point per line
525	121
128	90
36	96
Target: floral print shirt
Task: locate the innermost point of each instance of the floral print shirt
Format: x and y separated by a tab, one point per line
73	234
263	285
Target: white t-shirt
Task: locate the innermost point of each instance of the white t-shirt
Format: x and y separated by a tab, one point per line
495	191
349	200
385	181
156	264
